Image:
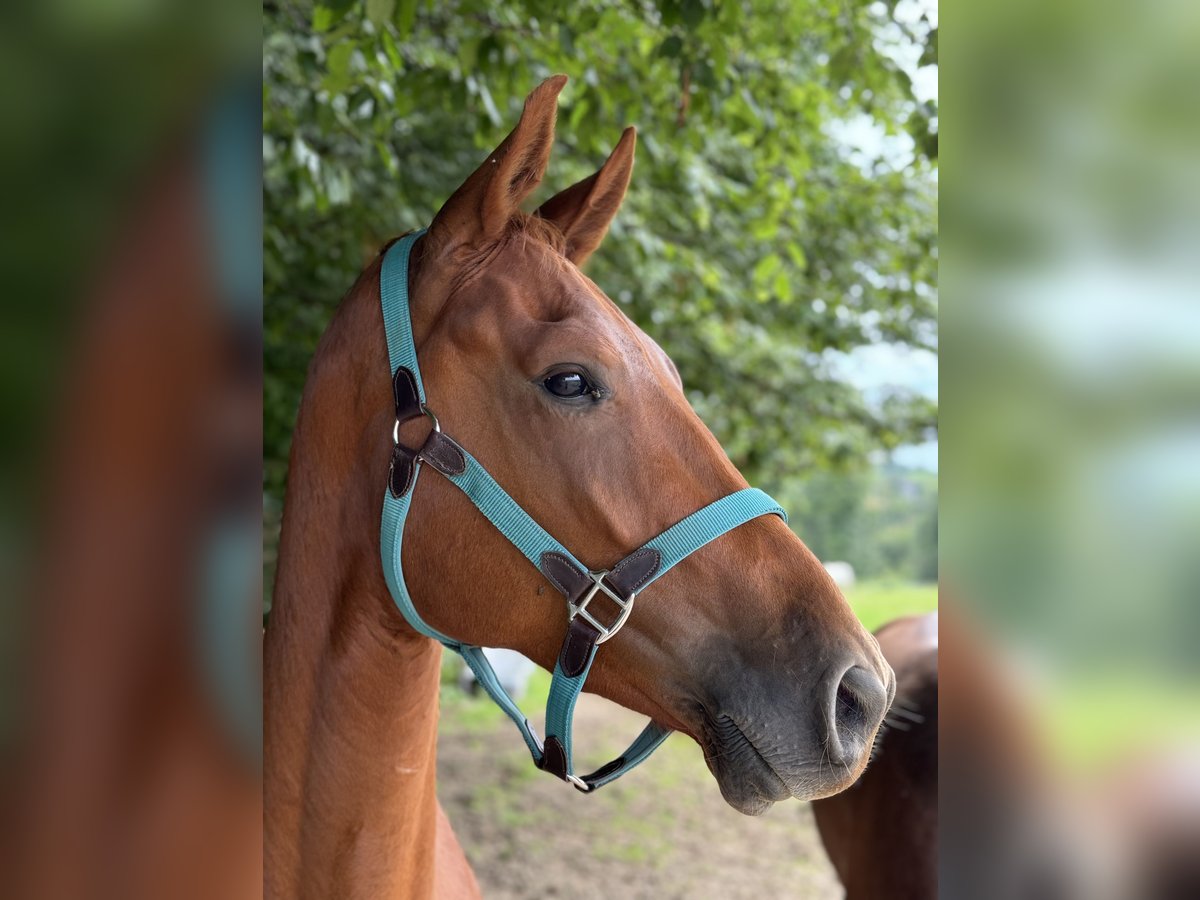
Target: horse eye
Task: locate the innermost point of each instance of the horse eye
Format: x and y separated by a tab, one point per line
567	385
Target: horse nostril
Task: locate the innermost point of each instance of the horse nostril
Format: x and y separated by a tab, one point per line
848	712
859	702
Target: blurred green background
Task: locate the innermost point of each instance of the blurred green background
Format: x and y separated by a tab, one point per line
778	240
1071	512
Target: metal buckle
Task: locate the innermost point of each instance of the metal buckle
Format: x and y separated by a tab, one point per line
597	587
437	426
579	783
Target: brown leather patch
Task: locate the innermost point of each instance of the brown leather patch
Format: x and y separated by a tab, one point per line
577	648
404	391
402	471
564	575
443	454
631	573
554	758
606	769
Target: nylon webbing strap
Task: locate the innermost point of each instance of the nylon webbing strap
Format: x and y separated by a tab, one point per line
682	540
505	513
673	545
397	322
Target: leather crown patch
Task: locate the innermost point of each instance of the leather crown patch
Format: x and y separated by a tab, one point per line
438	450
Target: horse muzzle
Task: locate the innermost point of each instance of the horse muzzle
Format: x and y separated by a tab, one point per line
768	739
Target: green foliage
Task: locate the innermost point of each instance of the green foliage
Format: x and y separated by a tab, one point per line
883	521
754	240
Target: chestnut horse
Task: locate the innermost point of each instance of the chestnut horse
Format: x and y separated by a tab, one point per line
881	834
747	646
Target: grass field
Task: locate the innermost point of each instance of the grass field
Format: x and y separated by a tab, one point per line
875	602
1090	723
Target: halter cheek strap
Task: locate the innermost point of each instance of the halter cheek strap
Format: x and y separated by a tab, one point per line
598	602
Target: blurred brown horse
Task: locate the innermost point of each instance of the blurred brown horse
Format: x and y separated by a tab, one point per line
747	646
126	780
881	834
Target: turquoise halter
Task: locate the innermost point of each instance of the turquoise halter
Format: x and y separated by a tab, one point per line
586	629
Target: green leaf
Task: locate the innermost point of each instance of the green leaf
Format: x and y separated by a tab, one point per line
405	16
329	13
566	40
782	287
392	51
322	19
588	19
766	268
468	54
578	113
692	13
387	157
672	47
337	66
764	228
843	64
379	11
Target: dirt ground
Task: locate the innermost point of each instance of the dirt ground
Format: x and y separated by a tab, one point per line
661	831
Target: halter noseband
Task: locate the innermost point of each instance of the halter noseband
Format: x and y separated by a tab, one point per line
584	589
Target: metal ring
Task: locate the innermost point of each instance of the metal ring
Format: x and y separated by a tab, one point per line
437	426
581	608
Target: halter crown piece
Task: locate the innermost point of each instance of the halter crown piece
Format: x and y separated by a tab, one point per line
586	591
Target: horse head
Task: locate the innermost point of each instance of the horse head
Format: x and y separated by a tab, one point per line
747	645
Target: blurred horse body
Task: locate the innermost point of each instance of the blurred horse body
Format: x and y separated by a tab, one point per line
128	781
881	834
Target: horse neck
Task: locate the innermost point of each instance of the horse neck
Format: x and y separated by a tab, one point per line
351	692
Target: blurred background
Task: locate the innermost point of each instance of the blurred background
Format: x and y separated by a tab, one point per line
130	450
779	241
1071	485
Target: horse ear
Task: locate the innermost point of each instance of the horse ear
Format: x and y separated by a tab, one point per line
584	211
480	209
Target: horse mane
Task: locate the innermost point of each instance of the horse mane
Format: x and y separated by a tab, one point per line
524	226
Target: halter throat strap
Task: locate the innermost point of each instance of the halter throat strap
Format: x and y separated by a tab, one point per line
598	602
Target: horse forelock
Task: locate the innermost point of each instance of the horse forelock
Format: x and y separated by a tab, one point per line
534	228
